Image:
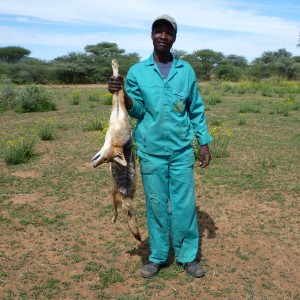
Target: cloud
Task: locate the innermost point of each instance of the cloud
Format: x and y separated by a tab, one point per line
237	27
139	14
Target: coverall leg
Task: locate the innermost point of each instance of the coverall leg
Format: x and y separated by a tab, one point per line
170	205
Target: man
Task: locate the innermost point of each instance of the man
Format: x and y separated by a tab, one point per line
162	94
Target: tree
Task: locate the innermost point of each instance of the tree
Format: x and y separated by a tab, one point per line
178	53
105	49
274	63
271	56
204	62
126	61
75	68
236	60
13	54
232	67
285	67
91	68
296	59
228	71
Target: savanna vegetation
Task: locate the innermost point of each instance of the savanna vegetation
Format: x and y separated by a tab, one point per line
57	240
93	65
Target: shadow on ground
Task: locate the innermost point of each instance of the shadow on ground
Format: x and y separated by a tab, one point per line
206	227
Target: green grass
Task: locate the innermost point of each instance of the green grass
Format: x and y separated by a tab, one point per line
57	238
46	132
75	97
213	99
93	124
19	150
33	98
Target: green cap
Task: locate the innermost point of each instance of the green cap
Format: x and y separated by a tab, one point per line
167	18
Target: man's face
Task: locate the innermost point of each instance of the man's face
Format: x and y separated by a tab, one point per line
163	36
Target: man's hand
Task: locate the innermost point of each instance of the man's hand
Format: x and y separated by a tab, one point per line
204	156
115	84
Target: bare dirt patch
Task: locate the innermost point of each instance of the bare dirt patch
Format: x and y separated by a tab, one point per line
27	174
25	198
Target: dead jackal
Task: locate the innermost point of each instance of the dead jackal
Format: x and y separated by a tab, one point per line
118	150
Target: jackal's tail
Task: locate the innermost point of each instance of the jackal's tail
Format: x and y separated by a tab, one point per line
131	219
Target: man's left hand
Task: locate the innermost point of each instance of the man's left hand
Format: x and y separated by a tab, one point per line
204	156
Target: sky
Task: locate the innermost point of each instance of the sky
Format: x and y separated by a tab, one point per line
50	29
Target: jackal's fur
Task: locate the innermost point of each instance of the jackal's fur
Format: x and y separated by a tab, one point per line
118	150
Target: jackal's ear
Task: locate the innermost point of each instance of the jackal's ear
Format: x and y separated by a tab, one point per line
119	158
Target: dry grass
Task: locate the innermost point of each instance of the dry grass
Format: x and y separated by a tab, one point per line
58	242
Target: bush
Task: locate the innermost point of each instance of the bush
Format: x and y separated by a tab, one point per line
94	96
46	132
213	99
242	121
18	151
34	98
107	98
249	107
8	93
221	134
75	98
93	124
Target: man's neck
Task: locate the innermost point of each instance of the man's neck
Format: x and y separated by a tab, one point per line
163	57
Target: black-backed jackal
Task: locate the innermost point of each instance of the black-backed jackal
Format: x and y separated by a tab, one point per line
118	150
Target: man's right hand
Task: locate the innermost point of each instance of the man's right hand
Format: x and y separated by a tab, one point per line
115	84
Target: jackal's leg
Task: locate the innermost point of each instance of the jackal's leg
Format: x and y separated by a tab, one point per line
115	205
122	109
118	97
115	67
114	109
131	219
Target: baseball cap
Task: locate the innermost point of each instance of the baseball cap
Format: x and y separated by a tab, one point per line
167	18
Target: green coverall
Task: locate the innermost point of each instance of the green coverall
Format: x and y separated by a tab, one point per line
169	113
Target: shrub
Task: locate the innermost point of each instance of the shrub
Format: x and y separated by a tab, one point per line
75	98
107	97
227	87
241	90
266	92
18	151
219	145
213	99
204	90
34	98
94	96
216	122
249	107
242	121
46	132
221	134
93	125
8	93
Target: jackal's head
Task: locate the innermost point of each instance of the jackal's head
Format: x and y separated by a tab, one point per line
107	155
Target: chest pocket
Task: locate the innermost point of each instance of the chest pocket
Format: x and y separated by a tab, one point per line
179	103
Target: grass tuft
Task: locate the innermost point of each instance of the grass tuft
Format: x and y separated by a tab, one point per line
19	150
93	124
46	132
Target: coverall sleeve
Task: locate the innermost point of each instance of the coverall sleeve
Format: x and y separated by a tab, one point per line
197	115
133	90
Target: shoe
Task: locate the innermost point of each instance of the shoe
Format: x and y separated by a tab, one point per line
150	270
194	269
